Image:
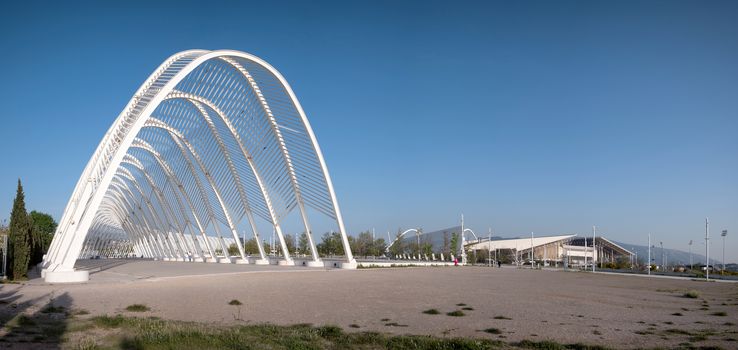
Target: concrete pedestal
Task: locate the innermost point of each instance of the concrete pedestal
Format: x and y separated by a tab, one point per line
348	265
73	276
261	262
241	261
286	263
313	263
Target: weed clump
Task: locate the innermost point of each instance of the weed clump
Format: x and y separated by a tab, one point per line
456	313
234	302
137	308
431	312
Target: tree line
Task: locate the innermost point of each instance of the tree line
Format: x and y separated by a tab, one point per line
363	245
28	235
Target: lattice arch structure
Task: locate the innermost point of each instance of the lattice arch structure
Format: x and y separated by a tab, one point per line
210	142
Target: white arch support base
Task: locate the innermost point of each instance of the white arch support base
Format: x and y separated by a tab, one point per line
346	265
73	276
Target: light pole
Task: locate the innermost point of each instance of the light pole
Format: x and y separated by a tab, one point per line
489	248
662	255
725	233
690	255
594	241
531	250
649	253
707	249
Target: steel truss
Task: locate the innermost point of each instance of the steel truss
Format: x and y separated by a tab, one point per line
212	138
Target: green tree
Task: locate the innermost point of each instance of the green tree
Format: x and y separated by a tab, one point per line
251	247
233	250
44	227
19	237
378	247
303	244
426	247
289	240
363	244
331	244
454	244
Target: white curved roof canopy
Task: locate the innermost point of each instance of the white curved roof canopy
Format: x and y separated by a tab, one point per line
212	141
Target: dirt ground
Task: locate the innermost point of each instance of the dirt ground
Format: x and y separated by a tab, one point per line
568	307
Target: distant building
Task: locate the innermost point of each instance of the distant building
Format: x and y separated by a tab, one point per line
568	250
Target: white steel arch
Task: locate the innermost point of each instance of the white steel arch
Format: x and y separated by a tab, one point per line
212	140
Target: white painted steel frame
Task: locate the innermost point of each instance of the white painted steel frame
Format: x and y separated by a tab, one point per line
205	115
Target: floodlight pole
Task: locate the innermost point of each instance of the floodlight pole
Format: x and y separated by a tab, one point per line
594	240
585	253
489	248
690	255
463	241
649	254
725	233
707	249
531	250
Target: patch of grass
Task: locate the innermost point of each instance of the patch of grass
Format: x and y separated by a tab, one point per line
669	322
677	314
499	317
385	319
234	302
692	294
468	308
596	332
550	345
456	313
109	322
354	325
431	312
25	321
51	309
719	313
151	333
728	324
137	308
460	304
677	331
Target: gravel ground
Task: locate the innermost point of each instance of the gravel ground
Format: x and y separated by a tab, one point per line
568	307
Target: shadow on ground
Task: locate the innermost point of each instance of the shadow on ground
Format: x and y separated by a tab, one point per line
26	326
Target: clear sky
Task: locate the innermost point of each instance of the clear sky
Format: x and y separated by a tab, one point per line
544	116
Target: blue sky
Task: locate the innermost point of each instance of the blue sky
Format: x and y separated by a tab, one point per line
526	116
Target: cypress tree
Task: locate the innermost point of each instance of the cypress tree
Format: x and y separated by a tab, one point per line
19	237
